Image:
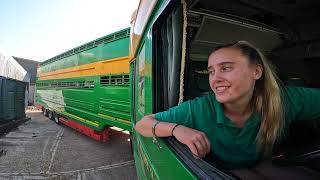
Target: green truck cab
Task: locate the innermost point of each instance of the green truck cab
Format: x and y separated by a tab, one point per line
169	46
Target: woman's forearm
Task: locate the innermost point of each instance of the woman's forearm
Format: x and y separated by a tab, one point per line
197	141
162	129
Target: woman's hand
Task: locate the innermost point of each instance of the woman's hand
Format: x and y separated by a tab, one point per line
197	141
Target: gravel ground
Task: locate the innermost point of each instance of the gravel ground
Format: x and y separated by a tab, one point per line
41	149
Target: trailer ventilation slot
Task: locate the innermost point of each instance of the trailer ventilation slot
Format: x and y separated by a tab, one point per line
74	84
115	80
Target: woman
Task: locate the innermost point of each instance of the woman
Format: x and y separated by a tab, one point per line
248	112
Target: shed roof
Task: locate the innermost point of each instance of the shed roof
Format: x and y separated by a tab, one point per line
30	66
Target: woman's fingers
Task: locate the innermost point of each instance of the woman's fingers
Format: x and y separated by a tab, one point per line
202	144
207	143
193	149
197	141
200	148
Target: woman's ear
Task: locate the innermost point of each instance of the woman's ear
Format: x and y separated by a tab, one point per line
258	71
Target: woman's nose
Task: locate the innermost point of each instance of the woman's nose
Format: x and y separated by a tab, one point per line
215	77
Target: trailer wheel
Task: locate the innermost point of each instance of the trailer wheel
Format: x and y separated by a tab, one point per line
50	114
131	143
44	111
56	118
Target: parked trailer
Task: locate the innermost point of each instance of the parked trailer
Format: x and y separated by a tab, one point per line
87	88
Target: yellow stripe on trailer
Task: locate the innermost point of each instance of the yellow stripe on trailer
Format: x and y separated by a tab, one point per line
82	119
113	118
110	66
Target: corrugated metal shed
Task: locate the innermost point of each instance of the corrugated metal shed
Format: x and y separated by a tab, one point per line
10	68
31	67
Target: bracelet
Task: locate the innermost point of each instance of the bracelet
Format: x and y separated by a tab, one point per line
174	128
154	128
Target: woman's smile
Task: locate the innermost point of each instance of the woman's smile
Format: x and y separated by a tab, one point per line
221	89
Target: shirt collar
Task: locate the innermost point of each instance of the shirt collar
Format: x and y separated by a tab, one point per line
221	118
218	109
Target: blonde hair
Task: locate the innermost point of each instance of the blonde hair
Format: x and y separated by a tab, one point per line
266	99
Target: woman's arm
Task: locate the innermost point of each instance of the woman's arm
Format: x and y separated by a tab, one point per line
162	129
302	103
197	141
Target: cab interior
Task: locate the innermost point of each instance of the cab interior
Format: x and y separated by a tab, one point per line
284	30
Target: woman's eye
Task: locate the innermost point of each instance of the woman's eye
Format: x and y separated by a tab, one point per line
226	69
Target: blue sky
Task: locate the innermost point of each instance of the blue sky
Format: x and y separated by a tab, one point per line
41	29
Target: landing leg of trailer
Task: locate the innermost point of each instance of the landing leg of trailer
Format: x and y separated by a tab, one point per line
106	134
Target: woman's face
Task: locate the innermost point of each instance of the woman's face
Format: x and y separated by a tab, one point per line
231	76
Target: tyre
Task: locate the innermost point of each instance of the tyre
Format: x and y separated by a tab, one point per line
50	114
56	118
44	111
131	143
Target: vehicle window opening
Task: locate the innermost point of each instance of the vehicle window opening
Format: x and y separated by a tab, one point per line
297	64
168	55
167	44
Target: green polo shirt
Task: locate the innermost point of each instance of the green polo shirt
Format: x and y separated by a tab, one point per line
236	147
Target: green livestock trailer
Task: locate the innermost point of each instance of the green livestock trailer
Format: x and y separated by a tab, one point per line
87	88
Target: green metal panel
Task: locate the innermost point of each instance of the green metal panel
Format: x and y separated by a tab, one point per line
151	162
12	99
101	104
114	48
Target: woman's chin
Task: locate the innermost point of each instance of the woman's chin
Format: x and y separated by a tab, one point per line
221	99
